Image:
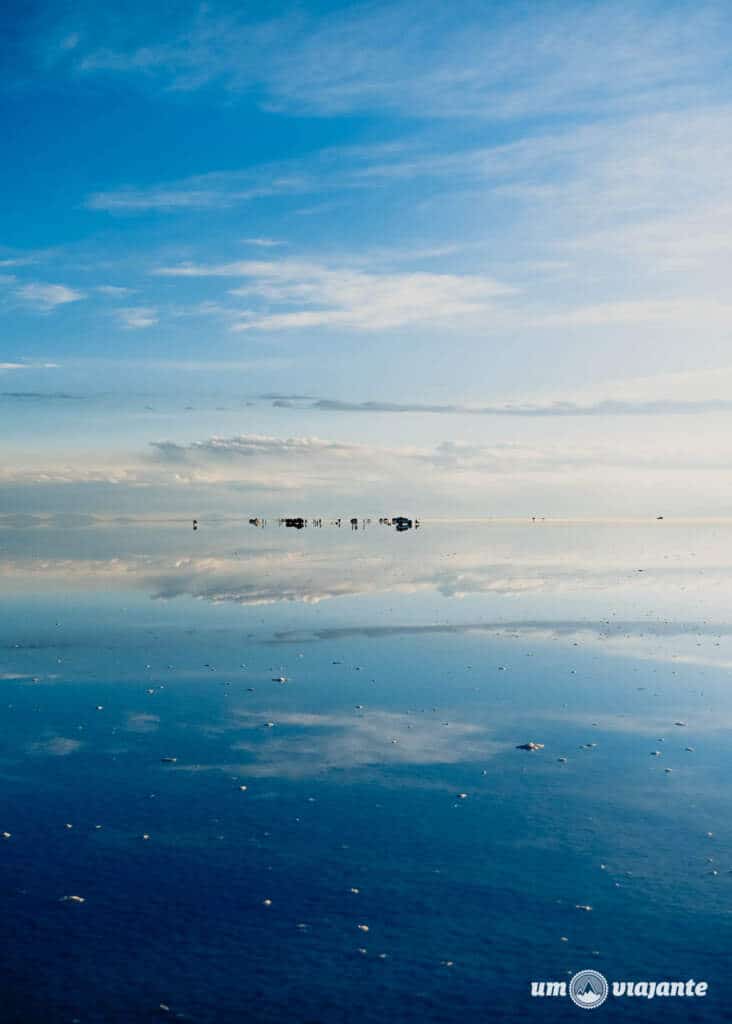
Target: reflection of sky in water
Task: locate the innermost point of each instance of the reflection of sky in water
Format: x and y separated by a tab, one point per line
414	665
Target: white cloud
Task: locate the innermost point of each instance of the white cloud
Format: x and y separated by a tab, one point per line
46	297
19	261
63	474
137	317
356	299
648	192
468	472
113	290
677	313
213	191
248	445
423	60
141	201
27	366
263	243
623	474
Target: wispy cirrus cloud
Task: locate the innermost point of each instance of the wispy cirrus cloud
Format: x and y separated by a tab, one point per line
137	317
212	191
598	190
334	168
130	200
114	291
324	296
612	162
46	297
264	243
16	261
627	187
491	63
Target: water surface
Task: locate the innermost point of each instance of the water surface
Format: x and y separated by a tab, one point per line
141	666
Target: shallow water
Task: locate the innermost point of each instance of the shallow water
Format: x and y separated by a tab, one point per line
415	664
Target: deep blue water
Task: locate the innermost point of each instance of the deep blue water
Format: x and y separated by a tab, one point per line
415	664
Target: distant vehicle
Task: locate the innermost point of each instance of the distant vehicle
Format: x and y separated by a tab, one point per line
402	523
296	524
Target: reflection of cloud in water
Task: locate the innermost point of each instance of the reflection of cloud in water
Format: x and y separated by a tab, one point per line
240	590
55	746
641	640
658	726
307	577
230	563
544	629
532	583
314	577
142	723
314	743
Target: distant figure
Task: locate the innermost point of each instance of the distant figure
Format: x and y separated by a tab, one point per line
195	524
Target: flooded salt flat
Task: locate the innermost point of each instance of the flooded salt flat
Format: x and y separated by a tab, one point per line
281	768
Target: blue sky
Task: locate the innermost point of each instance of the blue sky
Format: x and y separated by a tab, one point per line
488	239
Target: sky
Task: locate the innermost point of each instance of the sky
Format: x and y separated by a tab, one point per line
462	259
